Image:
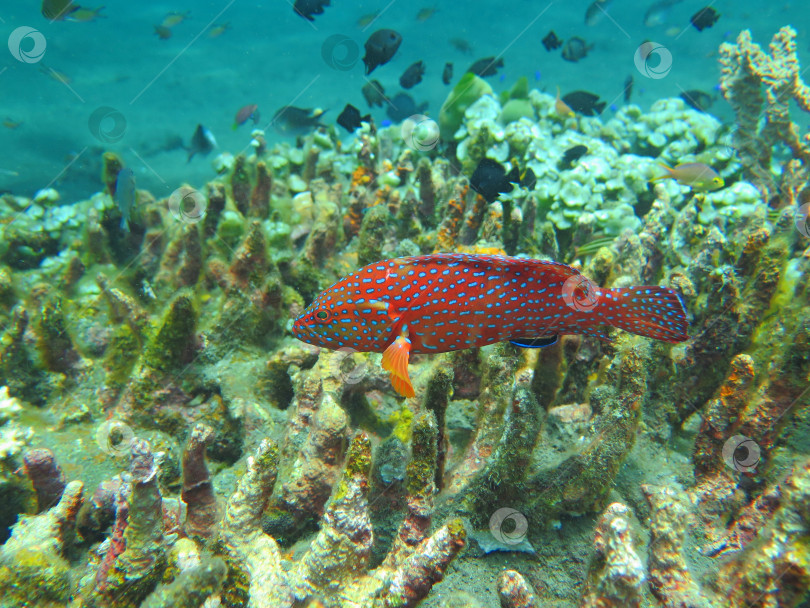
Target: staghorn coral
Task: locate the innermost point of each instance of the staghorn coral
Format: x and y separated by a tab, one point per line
515	592
46	476
33	564
202	511
332	568
617	574
746	70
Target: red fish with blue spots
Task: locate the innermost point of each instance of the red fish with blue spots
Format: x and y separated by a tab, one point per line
451	301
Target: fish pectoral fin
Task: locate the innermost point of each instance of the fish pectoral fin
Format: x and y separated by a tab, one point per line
385	307
395	360
535	342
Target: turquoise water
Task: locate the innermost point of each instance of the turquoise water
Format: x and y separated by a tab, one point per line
161	89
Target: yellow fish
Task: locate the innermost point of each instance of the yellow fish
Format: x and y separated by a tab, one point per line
218	30
698	176
175	18
426	13
563	109
367	19
84	15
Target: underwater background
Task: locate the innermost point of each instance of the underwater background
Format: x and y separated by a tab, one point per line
185	421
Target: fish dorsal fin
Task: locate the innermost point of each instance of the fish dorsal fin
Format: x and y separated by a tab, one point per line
535	342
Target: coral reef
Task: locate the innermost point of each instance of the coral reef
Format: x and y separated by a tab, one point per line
265	472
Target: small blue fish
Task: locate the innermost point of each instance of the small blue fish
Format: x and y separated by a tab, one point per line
125	195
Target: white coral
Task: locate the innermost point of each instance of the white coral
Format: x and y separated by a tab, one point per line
12	436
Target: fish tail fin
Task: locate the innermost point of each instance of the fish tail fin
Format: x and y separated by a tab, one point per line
668	175
649	311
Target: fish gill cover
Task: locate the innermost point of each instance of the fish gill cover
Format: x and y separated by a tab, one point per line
575	264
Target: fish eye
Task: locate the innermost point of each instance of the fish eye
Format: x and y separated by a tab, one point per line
322	315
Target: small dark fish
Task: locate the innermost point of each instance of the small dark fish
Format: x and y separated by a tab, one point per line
704	18
584	103
551	42
403	106
461	45
488	66
125	195
57	10
380	48
447	73
350	118
697	99
570	156
248	111
374	93
202	142
528	180
628	88
575	49
163	32
308	8
290	120
413	75
596	10
490	179
658	12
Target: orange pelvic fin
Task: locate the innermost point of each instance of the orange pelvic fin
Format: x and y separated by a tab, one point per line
395	360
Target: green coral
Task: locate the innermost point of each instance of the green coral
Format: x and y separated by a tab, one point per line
466	92
175	339
373	232
421	470
191	587
53	342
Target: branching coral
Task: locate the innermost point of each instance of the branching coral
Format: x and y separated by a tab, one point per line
746	69
332	570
